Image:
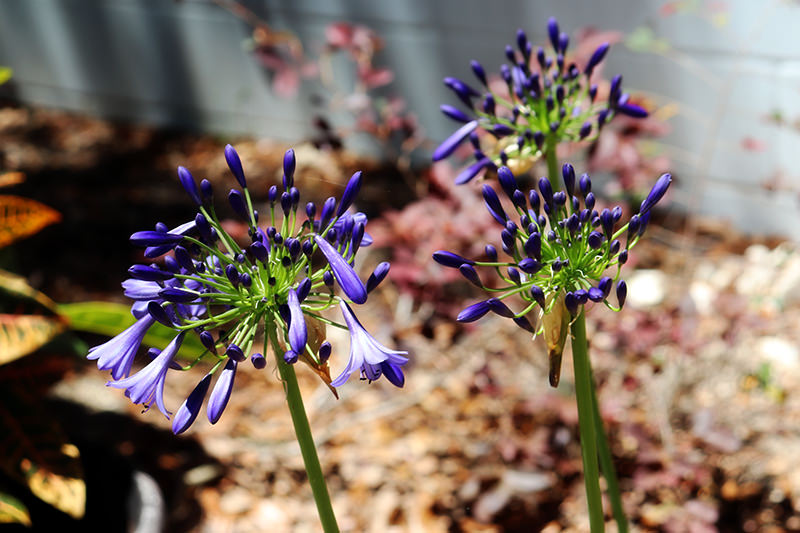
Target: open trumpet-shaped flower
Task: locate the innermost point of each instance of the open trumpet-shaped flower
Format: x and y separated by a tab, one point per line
563	254
545	99
369	356
226	291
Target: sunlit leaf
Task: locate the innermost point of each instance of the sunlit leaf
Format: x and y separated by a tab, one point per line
17	287
5	74
13	511
106	318
11	178
35	452
22	334
22	217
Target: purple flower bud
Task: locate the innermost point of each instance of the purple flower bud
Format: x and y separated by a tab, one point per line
615	90
236	199
595	240
623	257
488	104
377	276
149	273
245	280
622	292
188	183
568	173
449	259
344	273
221	392
468	271
473	170
289	165
350	193
499	308
327	213
259	361
533	246
155	310
540	57
272	194
656	193
286	203
235	353
493	205
595	294
155	238
259	251
530	266
479	72
298	334
538	295
184	259
187	412
524	323
596	58
491	253
582	296
176	295
514	276
501	130
645	219
208	341
207	191
324	352
571	303
235	164
607	221
311	211
585	130
473	312
327	278
614	247
538	138
454	113
552	31
290	357
563	42
507	181
533	197
589	201
632	110
510	54
546	190
560	198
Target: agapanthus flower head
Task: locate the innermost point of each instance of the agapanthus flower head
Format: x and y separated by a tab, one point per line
545	99
275	285
562	254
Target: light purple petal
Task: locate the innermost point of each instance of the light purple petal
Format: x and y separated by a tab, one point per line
451	143
298	334
118	353
187	412
221	392
351	284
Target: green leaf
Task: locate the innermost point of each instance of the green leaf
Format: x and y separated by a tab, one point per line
106	318
13	511
5	74
34	450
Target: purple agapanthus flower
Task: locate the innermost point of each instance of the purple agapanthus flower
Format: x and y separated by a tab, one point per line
544	101
369	356
230	292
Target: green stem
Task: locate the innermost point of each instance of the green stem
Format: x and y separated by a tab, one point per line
552	159
303	431
607	462
586	424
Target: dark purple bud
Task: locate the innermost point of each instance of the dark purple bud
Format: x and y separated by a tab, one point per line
311	210
540	57
623	257
259	361
614	247
451	143
513	275
605	285
522	41
207	191
235	353
656	193
518	198
327	213
552	31
236	199
473	312
489	105
589	201
324	352
615	90
493	205
454	113
245	280
560	199
286	203
571	303
184	259
289	165
499	308
155	310
181	296
563	42
607	221
533	197
259	251
187	412
501	130
208	341
546	190
538	138
596	58
272	195
622	292
468	271
491	253
568	173
505	73
592	92
524	323
510	54
473	170
350	193
235	164
585	130
327	278
155	238
449	259
632	110
645	219
232	274
479	72
308	248
221	392
530	266
595	240
585	184
294	194
538	295
188	183
533	246
507	181
509	243
377	276
595	294
149	273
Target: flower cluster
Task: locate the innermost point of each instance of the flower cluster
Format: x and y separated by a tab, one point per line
543	100
564	253
278	284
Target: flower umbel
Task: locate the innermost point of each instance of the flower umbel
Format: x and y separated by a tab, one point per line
543	100
563	254
277	285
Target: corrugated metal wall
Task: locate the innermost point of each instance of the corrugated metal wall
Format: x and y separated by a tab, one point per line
728	66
